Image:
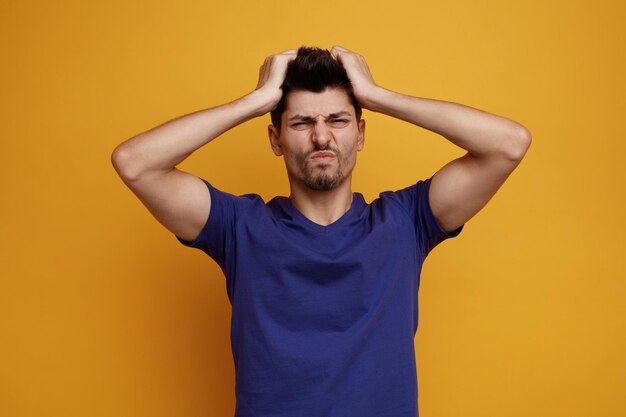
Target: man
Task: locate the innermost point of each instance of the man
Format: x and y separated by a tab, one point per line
323	286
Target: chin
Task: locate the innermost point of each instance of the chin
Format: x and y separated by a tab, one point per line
324	182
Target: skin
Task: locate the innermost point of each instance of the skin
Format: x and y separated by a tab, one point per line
319	140
321	189
495	145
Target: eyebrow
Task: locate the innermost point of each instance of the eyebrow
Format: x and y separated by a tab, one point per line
330	116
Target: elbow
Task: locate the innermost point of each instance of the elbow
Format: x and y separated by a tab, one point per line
120	160
519	143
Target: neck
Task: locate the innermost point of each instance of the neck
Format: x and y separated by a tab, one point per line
322	207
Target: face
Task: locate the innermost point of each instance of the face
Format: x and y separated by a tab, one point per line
319	138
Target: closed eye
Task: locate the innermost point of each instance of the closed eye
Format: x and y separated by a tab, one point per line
333	121
300	123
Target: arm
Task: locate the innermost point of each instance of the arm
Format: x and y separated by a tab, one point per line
495	145
147	162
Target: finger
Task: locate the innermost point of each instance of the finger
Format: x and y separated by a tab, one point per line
340	48
336	54
290	52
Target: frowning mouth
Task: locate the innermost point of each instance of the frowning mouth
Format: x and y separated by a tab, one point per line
322	156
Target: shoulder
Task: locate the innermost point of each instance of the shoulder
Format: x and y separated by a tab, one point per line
406	197
227	206
248	199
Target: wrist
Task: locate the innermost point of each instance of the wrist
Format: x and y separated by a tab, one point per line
263	100
374	98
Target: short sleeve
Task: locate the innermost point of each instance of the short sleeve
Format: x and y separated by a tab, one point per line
217	237
415	200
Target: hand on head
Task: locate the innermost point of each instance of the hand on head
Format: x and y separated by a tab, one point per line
358	72
272	74
274	70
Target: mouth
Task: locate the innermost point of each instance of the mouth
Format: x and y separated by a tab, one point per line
323	156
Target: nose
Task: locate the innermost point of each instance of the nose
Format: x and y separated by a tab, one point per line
321	134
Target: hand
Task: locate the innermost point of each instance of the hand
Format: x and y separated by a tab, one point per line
271	76
358	72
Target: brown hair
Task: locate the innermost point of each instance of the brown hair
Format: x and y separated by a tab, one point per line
314	70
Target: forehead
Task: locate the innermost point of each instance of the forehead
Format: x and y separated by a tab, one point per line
308	103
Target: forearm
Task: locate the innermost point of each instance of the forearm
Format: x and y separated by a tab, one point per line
480	133
167	145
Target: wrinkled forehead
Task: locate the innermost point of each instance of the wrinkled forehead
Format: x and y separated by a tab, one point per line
325	104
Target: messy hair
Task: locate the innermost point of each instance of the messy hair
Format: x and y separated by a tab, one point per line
314	70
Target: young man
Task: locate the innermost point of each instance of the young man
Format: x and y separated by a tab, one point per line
323	286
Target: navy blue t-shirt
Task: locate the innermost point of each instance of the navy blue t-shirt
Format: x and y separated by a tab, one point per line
323	317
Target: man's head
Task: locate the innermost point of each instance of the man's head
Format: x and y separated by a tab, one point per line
314	70
317	124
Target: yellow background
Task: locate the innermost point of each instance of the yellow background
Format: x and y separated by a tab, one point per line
104	313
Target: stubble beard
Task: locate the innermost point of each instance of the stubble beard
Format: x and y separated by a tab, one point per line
319	176
322	181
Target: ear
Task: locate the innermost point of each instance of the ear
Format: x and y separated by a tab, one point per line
274	135
361	137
